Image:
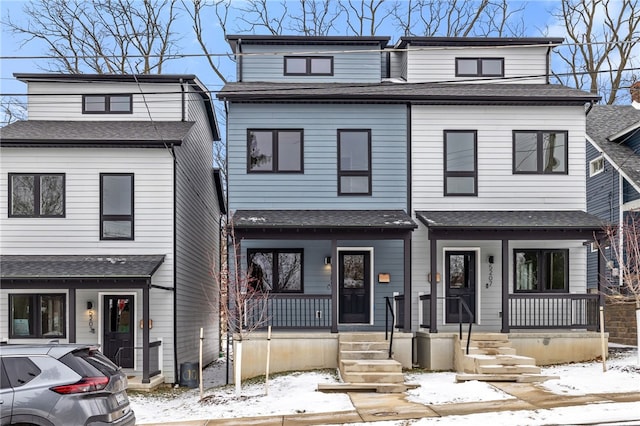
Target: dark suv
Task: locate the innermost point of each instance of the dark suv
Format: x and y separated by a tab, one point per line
61	384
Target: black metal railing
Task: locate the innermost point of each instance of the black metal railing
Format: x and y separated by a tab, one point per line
154	356
425	301
553	310
289	311
399	310
389	312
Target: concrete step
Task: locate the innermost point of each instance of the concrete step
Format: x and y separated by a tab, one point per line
489	336
364	346
490	351
367	387
486	344
370	366
361	377
508	369
519	378
361	337
500	359
351	355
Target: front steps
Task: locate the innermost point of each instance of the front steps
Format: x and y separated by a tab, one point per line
492	359
364	364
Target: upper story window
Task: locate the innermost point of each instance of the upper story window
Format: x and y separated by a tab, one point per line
116	206
354	162
36	195
479	67
540	152
596	166
541	270
308	65
275	151
460	162
276	270
107	104
35	315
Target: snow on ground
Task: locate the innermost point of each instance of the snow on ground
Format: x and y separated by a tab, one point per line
296	393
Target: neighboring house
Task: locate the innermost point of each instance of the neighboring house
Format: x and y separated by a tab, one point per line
613	170
441	157
110	219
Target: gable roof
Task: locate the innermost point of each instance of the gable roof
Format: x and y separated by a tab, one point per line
37	133
420	93
476	41
190	79
608	126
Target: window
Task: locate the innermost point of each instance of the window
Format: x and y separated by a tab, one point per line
116	206
278	270
354	162
541	270
275	151
37	316
308	65
36	195
107	104
460	162
596	166
540	152
479	67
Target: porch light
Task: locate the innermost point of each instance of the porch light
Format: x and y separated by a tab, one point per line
327	260
90	312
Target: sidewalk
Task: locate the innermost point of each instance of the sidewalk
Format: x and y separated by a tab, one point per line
373	407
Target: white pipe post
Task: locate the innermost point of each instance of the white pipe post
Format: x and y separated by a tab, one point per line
200	363
638	332
266	380
602	341
237	364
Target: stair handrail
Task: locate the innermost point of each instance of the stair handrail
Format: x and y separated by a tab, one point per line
463	304
389	310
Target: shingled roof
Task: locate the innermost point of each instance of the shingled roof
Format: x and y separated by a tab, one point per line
605	122
95	133
421	93
79	266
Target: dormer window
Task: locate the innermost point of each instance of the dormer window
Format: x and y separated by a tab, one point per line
479	67
308	65
107	104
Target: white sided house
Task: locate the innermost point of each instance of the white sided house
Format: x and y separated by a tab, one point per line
110	219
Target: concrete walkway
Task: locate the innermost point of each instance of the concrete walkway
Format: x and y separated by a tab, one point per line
373	407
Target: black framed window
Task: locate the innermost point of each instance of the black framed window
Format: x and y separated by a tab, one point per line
541	270
354	162
479	67
308	65
275	151
460	162
107	104
36	195
116	206
276	270
540	151
37	315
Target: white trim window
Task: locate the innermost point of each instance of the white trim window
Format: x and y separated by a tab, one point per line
596	166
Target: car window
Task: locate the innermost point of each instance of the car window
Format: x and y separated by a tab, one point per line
20	370
89	363
4	380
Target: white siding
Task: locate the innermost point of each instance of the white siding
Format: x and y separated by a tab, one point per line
439	64
498	187
63	101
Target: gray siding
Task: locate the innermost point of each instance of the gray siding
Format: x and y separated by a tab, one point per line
316	188
197	241
603	202
350	63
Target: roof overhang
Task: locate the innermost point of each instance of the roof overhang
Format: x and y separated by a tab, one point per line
235	40
477	41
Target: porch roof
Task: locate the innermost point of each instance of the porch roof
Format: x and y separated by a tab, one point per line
517	224
74	267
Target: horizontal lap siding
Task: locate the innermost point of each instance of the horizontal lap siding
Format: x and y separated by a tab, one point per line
498	187
356	64
64	101
317	187
438	64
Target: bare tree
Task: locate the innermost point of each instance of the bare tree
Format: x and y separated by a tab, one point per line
101	36
12	109
316	18
624	257
604	38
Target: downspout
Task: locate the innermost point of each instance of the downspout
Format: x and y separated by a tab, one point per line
175	266
184	103
409	168
226	163
591	103
548	63
239	60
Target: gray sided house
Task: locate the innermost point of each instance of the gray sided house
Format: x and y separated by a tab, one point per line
444	169
110	219
613	170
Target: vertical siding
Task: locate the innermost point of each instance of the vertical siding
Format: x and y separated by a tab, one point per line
498	187
521	64
320	124
63	101
197	241
350	63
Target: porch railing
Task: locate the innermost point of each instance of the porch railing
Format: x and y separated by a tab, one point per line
289	311
155	359
424	311
553	311
399	310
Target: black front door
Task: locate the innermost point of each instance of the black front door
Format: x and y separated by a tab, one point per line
460	282
354	287
118	329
